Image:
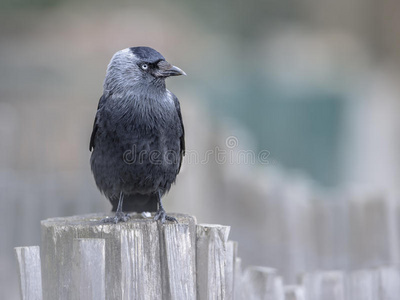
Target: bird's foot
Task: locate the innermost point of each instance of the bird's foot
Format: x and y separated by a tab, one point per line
162	216
119	217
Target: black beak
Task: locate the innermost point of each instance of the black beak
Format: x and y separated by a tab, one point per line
165	69
174	71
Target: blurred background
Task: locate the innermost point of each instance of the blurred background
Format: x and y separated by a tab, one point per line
309	88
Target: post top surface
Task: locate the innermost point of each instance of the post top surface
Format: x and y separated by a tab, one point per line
95	220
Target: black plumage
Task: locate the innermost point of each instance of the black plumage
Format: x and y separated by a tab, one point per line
138	140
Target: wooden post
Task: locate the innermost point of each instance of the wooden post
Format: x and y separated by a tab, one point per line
83	258
237	289
211	261
388	282
140	262
327	285
30	277
143	259
296	292
88	269
231	252
178	260
262	283
362	284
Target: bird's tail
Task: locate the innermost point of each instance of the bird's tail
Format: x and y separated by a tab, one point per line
138	203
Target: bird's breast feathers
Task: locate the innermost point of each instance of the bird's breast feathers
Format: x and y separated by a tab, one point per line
141	113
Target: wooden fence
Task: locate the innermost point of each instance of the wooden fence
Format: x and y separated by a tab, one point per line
81	258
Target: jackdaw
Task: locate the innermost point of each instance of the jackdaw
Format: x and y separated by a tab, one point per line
138	140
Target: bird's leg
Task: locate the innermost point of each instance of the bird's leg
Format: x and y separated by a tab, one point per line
161	215
119	215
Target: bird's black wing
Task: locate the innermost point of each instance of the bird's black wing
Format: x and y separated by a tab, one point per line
182	138
95	125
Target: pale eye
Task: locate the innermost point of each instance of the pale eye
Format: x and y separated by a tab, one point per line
145	66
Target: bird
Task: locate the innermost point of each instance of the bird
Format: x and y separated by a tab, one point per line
138	138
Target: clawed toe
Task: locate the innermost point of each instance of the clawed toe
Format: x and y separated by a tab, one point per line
171	219
162	217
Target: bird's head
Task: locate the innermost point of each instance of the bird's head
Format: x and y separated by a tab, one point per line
138	67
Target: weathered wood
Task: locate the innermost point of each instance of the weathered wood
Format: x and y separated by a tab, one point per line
373	229
378	283
83	258
211	261
138	239
237	288
328	285
158	261
140	262
296	292
178	261
231	252
88	269
362	284
57	252
29	271
279	289
388	283
262	283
